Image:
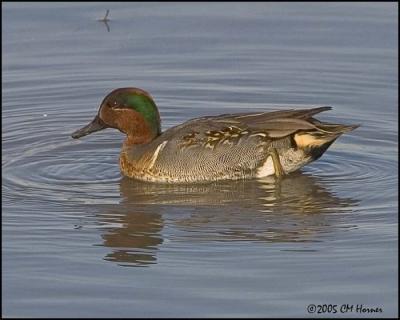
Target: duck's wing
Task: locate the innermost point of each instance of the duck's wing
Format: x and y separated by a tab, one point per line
276	124
270	115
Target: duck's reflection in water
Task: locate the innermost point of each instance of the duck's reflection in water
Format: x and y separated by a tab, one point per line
135	241
295	209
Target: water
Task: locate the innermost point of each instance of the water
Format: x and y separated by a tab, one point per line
79	240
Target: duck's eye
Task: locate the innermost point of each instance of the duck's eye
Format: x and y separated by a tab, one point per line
116	105
113	104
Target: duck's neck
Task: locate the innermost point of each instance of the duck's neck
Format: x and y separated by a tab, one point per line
132	140
137	129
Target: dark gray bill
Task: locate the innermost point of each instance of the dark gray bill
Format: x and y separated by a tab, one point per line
96	125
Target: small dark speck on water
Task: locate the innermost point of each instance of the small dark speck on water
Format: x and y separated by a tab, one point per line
105	20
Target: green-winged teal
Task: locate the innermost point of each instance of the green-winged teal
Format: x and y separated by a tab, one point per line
228	146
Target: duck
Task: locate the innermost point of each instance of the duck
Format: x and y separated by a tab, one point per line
234	146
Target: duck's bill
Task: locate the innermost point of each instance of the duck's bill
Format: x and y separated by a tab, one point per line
96	125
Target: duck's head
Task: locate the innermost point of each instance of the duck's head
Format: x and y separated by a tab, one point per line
131	111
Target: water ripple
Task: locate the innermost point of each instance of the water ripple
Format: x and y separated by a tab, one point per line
63	171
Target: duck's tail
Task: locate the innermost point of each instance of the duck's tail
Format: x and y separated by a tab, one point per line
317	141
